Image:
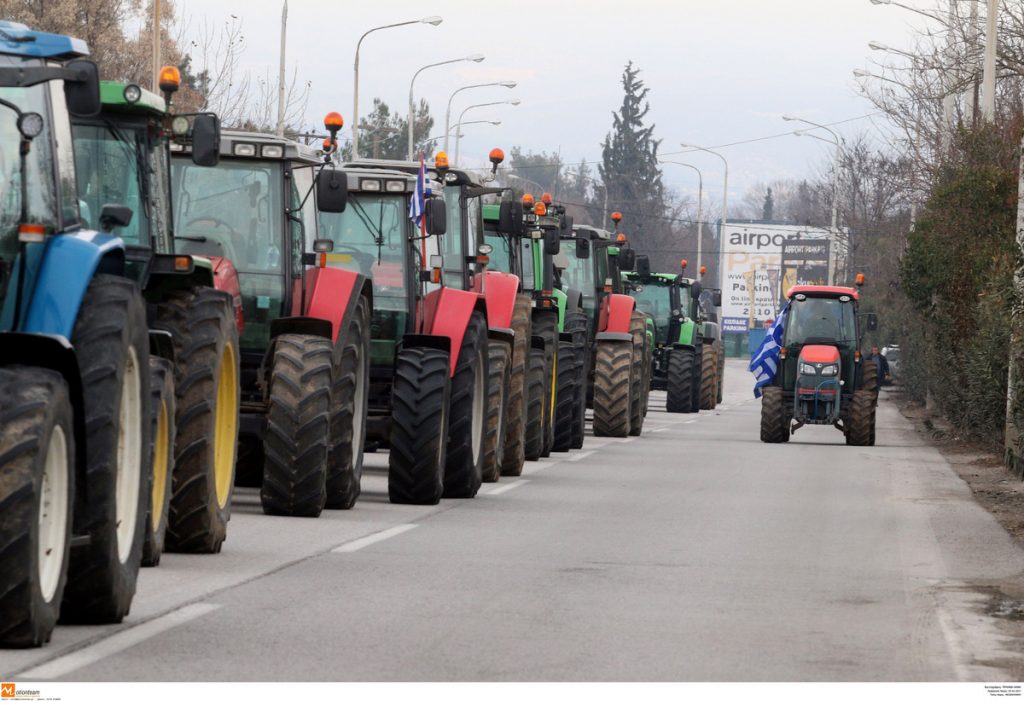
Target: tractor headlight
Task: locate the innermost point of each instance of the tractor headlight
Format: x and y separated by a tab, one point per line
806	369
830	370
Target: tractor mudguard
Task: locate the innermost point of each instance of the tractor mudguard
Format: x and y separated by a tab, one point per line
446	312
504	335
613	336
574	299
68	265
306	325
500	291
710	331
616	313
332	294
161	344
560	300
56	353
420	340
225	279
164	275
684	346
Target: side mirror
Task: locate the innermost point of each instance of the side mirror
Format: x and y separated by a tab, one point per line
206	140
627	258
331	190
510	218
583	248
437	216
716	298
552	242
696	290
83	92
323	245
115	215
566	223
871	322
643	266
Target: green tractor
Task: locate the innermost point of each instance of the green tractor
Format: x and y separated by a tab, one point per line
122	155
688	358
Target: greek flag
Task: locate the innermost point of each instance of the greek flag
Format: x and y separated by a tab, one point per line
417	205
765	362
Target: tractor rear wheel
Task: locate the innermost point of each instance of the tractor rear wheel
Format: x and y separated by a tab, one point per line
513	454
468	414
774	420
679	381
576	323
497	402
638	328
419	426
721	371
349	403
201	321
161	390
534	442
566	396
612	382
37	494
698	375
709	377
546	326
111	340
298	427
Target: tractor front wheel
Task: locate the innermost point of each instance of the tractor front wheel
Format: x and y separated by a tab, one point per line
535	396
679	382
709	377
513	454
860	430
566	397
497	414
612	382
161	389
638	328
463	471
774	420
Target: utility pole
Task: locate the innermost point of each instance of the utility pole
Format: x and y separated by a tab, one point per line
988	88
281	71
156	46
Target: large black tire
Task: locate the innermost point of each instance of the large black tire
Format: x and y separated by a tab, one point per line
111	342
567	397
161	391
419	426
721	371
709	377
467	415
637	390
698	374
349	404
774	418
298	427
535	397
545	325
869	381
861	428
514	454
612	382
648	370
201	322
680	373
36	436
576	323
498	382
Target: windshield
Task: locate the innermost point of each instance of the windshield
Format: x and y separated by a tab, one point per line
820	320
580	273
111	164
654	298
500	258
452	246
369	237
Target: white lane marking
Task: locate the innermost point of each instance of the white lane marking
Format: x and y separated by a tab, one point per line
533	468
628	440
117	643
723	407
658	430
360	543
506	487
580	456
595	446
691	421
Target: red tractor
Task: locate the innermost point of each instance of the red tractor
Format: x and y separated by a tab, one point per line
305	346
821	377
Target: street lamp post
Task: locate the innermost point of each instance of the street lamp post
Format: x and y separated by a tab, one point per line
458	125
725	207
475	58
355	80
700	206
448	112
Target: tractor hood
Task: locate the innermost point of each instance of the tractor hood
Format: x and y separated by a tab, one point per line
819	354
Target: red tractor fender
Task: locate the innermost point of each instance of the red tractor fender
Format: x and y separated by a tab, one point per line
225	279
500	291
446	312
616	311
331	294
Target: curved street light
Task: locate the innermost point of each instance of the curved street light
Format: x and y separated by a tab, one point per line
515	102
448	112
433	20
475	58
700	205
725	202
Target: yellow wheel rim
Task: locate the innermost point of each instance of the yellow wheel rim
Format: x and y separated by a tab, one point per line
161	457
226	428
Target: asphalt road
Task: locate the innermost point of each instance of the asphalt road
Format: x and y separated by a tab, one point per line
692	553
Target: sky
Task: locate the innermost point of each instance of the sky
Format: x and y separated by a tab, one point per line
719	71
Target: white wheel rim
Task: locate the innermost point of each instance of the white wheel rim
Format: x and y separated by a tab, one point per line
129	457
358	424
53	513
479	397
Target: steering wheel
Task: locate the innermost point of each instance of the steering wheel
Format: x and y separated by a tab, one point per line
366	260
216	222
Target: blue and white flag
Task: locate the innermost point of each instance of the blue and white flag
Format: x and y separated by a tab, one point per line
765	362
418	203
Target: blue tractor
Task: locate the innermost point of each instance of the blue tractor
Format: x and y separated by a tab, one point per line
75	443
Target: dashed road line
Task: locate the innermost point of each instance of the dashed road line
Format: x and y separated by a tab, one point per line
580	456
116	643
691	421
360	543
658	430
506	488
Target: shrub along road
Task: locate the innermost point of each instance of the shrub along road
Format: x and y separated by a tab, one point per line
691	553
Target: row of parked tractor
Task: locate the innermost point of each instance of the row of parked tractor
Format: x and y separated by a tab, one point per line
184	310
